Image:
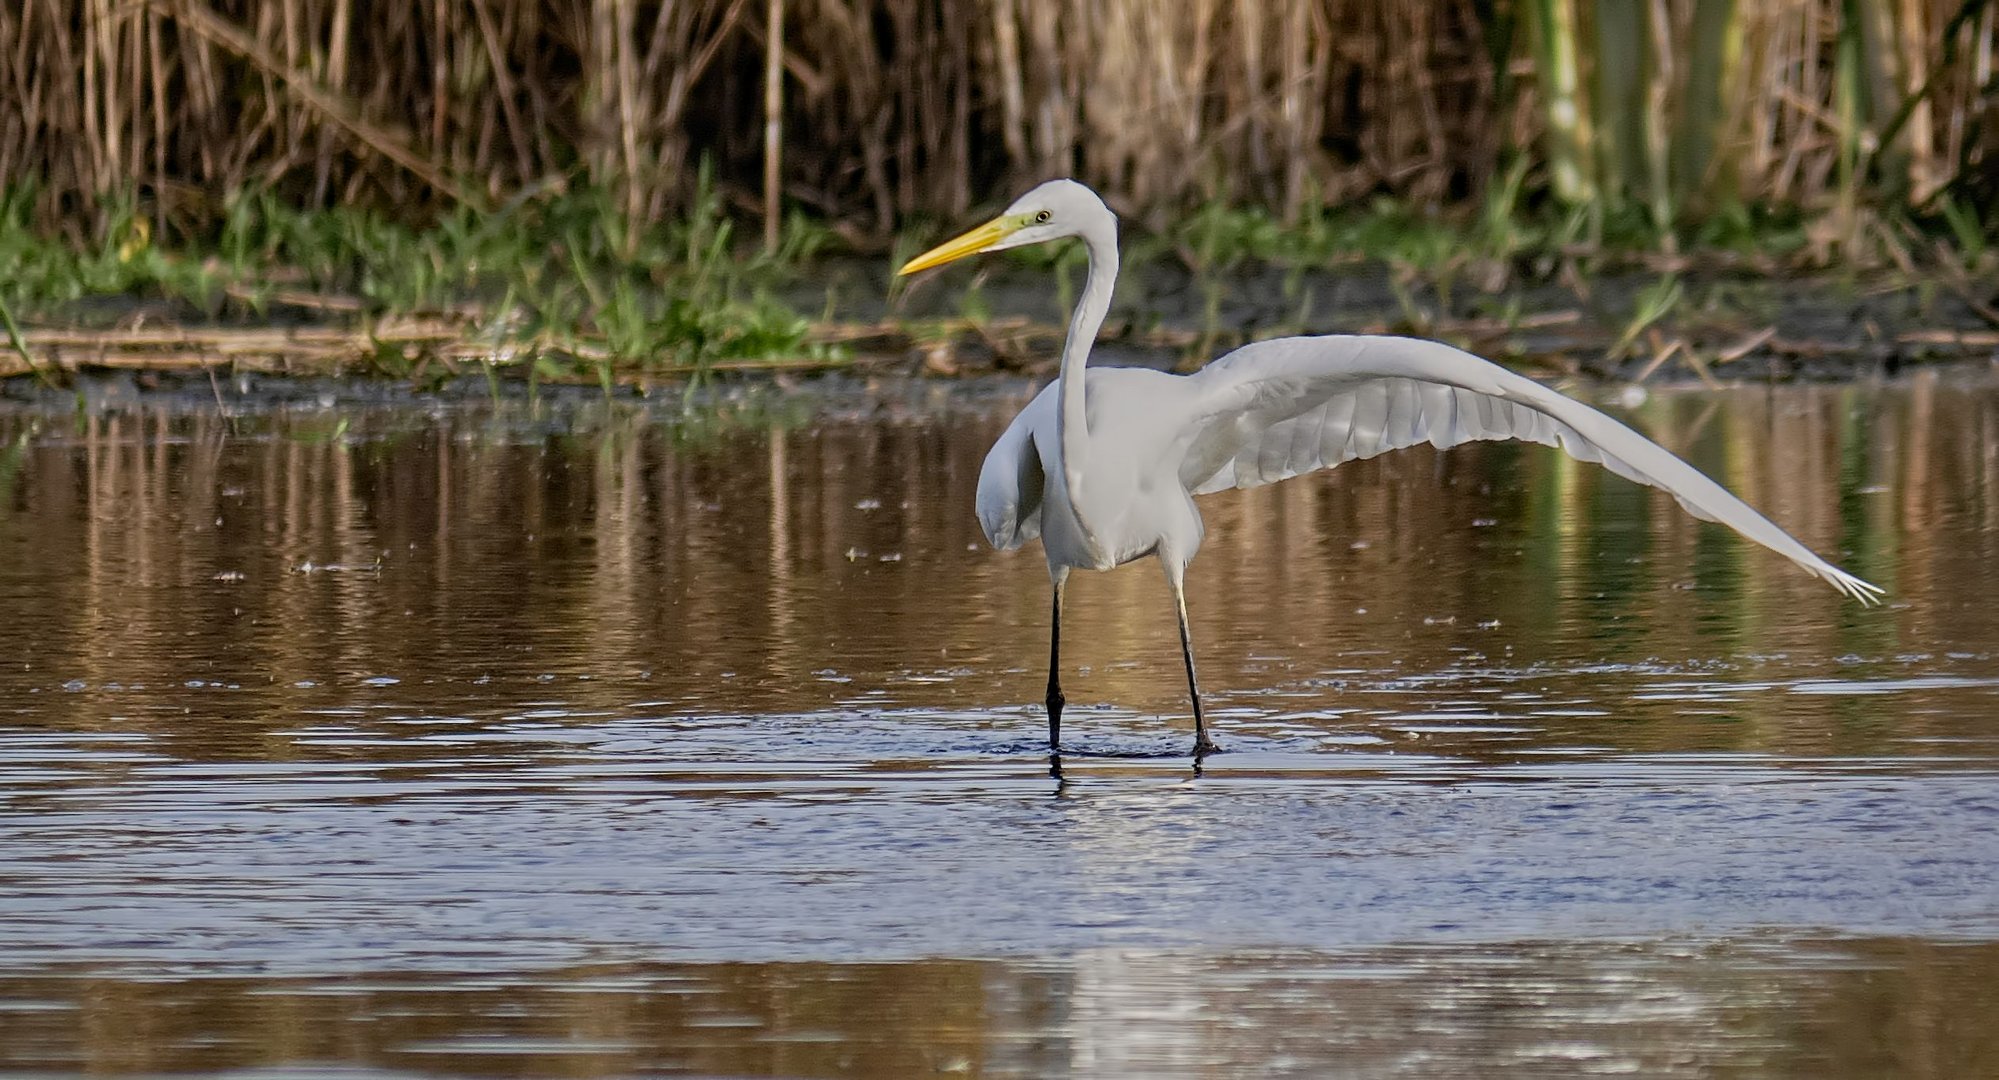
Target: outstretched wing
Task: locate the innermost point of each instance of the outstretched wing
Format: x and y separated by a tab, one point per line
1279	408
1010	482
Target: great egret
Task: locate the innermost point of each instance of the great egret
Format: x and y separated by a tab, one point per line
1130	448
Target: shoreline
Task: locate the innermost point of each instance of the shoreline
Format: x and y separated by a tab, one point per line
969	352
1623	326
245	394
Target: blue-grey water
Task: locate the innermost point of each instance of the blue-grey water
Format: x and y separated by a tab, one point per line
582	738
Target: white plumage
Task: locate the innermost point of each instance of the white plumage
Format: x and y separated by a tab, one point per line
1102	466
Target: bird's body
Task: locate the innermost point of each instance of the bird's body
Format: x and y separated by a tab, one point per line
1134	507
1104	464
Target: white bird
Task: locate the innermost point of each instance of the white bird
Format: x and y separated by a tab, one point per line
1128	449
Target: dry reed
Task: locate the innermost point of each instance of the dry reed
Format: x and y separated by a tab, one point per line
894	108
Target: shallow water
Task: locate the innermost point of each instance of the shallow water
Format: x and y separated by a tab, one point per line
594	739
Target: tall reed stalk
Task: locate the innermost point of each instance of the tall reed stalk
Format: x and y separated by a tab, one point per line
893	109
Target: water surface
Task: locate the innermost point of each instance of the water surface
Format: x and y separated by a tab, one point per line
602	738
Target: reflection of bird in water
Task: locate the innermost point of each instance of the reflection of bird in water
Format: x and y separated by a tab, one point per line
1104	468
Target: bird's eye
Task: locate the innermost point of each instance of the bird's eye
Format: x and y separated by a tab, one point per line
1042	217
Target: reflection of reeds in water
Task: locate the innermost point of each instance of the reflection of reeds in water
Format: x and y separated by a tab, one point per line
890	1019
1848	1008
746	571
733	562
894	107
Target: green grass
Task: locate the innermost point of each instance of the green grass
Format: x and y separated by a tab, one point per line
561	279
560	285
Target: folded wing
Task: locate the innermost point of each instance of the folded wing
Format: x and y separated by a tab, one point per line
1010	482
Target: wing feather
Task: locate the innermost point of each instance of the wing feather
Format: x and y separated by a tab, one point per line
1011	482
1280	408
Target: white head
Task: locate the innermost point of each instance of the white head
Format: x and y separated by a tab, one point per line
1051	211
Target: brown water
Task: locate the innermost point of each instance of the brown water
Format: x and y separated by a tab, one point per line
598	739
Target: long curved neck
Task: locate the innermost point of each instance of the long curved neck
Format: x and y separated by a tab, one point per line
1091	307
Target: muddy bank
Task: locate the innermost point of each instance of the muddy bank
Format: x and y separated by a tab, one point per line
734	401
1628	326
363	406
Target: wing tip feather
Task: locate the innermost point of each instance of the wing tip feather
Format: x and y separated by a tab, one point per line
1865	592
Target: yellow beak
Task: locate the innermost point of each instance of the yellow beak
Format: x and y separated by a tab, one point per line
971	243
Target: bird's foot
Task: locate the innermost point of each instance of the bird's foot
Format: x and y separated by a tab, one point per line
1203	746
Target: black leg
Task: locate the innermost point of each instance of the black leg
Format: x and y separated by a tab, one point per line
1202	744
1055	698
